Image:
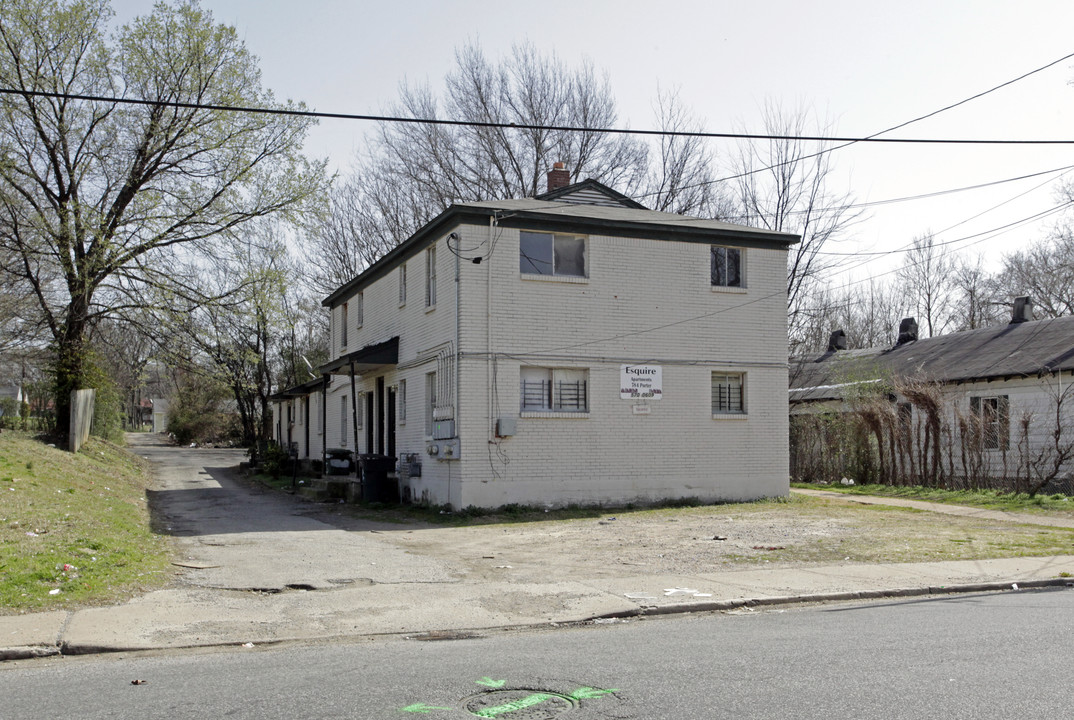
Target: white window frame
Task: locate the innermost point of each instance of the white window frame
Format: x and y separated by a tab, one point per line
400	403
725	282
723	387
343	326
402	285
359	310
430	277
555	396
528	266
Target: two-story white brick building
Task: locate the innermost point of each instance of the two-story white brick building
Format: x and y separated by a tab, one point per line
569	348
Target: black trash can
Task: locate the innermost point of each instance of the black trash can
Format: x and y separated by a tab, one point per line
376	485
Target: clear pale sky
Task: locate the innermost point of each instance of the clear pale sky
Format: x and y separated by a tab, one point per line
865	65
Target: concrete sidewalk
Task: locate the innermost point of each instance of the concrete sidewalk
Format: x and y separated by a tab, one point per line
203	617
238	587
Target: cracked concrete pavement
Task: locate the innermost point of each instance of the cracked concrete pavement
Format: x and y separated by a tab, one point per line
257	566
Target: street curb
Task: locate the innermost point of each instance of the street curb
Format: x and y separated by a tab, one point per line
66	649
723	605
28	652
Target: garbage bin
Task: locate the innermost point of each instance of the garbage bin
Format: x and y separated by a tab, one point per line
376	485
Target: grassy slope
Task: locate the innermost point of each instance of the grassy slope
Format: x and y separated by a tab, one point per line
77	523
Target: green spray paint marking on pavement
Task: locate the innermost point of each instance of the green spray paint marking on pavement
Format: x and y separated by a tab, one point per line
422	708
528	701
588	692
582	693
585	693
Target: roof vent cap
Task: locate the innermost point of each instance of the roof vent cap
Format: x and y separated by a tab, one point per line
1023	310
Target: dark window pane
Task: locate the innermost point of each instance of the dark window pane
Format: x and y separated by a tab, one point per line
726	267
535	253
570	256
734	267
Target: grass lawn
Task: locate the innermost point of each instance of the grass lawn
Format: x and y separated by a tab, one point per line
1059	505
74	528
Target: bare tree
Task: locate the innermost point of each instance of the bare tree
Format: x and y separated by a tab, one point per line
928	284
93	193
682	177
785	185
977	303
1044	270
472	162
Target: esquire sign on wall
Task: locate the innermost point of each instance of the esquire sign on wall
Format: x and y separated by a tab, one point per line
641	382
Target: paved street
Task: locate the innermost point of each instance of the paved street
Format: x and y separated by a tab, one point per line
965	656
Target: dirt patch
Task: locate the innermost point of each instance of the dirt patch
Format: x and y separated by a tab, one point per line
698	540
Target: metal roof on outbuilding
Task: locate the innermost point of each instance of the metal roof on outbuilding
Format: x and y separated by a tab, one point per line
1019	349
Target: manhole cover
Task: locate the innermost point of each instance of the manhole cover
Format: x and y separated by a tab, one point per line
519	704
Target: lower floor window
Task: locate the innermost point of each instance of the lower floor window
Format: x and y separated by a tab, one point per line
728	393
993	421
554	390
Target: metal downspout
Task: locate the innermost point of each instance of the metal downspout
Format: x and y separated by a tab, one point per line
457	399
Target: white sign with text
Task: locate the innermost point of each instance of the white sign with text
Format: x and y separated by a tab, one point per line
641	382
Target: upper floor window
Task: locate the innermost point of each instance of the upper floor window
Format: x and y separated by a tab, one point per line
430	277
551	254
402	284
359	307
343	326
728	393
727	267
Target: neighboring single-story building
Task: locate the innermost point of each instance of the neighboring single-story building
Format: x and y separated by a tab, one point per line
998	396
573	347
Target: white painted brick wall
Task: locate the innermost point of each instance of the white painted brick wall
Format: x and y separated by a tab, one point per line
644	301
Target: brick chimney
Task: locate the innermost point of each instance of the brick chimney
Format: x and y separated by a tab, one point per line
558	176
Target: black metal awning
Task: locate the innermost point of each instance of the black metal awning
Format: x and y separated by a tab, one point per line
306	388
368	358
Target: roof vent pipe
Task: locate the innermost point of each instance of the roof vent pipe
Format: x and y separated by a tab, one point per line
1023	310
837	341
907	331
558	176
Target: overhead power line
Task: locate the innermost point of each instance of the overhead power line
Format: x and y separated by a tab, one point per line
525	126
874	136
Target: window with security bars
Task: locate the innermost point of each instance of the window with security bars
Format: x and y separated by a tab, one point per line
728	393
554	390
727	267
